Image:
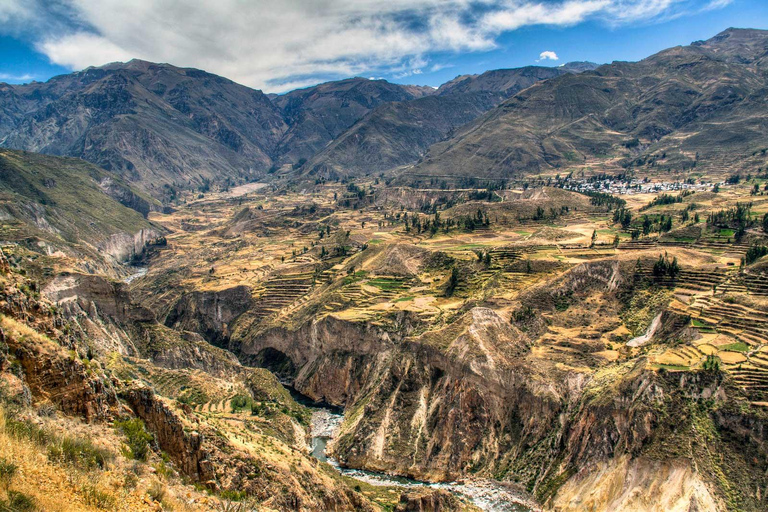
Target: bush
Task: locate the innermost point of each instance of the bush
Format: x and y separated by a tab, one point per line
138	437
240	402
157	491
79	452
18	502
7	471
24	429
98	499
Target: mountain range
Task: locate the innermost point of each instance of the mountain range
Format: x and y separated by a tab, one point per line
698	105
165	128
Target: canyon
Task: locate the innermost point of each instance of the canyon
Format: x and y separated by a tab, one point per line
525	305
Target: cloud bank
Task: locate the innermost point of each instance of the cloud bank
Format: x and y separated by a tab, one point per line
277	45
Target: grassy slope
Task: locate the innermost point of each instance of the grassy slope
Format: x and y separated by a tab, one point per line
60	200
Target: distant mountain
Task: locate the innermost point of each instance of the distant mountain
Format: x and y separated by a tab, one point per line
317	115
165	128
699	105
155	124
398	133
504	82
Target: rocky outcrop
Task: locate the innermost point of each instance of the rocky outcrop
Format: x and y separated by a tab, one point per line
427	500
124	247
202	454
173	435
110	297
210	313
315	339
50	363
102	308
178	350
114	323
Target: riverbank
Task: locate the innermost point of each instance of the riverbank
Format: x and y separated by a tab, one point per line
487	495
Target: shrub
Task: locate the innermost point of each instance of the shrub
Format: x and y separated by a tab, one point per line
18	502
157	491
138	438
232	495
24	429
98	499
240	402
7	471
79	452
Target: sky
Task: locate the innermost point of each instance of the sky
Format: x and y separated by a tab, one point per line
279	45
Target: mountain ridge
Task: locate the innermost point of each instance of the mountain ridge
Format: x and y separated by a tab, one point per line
667	102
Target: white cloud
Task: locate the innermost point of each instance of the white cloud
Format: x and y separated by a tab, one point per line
16	78
68	50
275	45
548	55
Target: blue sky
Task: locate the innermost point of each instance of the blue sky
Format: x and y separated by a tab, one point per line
279	45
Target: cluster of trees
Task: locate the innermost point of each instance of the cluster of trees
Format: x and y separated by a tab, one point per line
754	253
666	267
484	195
324	231
623	216
553	213
662	224
738	217
685	215
355	197
664	199
469	222
416	223
484	257
603	199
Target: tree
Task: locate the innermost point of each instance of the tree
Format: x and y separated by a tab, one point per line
712	363
487	259
453	280
594	237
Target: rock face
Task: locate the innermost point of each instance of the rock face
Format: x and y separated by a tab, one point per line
125	247
125	196
329	345
114	323
49	363
433	500
171	433
210	313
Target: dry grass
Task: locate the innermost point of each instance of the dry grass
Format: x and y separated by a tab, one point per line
60	486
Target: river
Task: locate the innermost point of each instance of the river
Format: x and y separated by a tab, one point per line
139	272
485	494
